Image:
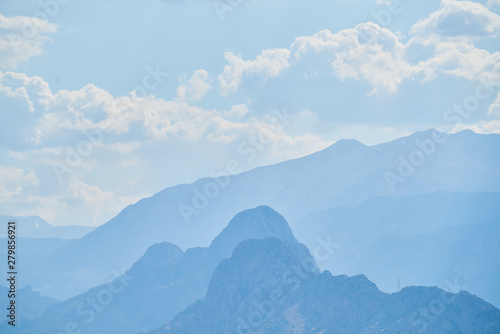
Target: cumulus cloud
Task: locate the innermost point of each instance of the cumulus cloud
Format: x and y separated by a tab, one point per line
441	44
56	116
376	55
196	87
459	19
462	60
40	126
51	115
22	38
270	63
68	135
367	52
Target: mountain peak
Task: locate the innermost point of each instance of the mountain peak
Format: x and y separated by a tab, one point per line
259	260
160	254
258	223
267	278
467	132
347	144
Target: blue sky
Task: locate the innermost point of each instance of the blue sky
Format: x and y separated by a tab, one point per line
103	103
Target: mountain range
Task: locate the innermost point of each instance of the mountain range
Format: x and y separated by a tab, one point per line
37	228
30	304
430	239
255	277
160	284
271	287
346	174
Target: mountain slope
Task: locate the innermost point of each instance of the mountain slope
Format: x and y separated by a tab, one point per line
463	256
161	283
347	173
266	288
427	239
30	304
37	247
36	227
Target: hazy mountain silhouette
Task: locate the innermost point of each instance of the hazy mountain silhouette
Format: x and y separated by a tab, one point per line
29	304
347	173
161	283
269	287
36	227
430	239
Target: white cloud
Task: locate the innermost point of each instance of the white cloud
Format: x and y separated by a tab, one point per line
236	112
22	38
94	108
270	63
375	55
90	196
22	193
459	59
367	52
15	183
483	127
130	119
41	125
459	19
196	88
52	125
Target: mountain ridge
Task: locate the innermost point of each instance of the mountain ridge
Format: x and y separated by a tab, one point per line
162	282
259	289
295	188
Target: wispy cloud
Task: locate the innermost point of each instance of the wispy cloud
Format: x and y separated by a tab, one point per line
22	38
270	63
459	19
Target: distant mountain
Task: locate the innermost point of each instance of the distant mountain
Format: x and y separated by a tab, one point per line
347	173
430	239
30	304
35	246
36	227
161	283
35	240
465	257
270	287
31	252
